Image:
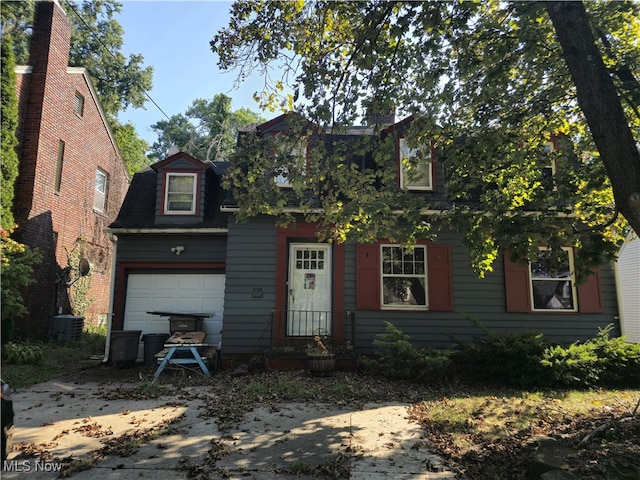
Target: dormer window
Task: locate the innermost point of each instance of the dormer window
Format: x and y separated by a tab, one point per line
415	168
180	194
287	156
549	168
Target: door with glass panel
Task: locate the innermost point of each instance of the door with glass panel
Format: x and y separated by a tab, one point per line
309	307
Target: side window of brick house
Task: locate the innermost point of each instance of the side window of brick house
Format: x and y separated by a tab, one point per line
100	196
59	162
78	104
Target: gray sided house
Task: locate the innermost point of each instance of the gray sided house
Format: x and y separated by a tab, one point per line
171	242
271	288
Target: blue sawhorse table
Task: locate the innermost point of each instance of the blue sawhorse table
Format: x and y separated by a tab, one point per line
189	342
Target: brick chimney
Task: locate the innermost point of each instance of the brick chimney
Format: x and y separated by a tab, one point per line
380	116
48	61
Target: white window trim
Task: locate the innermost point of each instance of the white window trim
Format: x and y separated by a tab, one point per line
191	211
382	276
549	148
407	186
299	150
100	195
571	278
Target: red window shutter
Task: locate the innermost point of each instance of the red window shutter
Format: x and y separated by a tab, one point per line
590	294
439	278
368	277
516	286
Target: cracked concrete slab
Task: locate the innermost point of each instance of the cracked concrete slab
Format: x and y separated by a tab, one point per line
172	437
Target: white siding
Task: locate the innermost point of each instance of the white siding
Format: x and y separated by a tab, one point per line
628	271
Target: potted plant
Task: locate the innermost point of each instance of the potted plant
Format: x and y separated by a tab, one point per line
320	360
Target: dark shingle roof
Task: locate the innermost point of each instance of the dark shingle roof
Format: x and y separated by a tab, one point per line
138	210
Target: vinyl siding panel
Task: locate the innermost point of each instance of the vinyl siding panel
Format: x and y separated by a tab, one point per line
475	298
250	286
629	282
157	248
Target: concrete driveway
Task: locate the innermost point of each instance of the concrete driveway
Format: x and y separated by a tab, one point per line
88	428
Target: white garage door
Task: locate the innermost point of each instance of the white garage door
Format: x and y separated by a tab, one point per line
174	292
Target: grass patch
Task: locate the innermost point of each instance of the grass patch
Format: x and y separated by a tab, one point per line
57	359
486	433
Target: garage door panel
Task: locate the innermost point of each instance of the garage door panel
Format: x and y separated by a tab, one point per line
163	282
187	293
190	282
214	283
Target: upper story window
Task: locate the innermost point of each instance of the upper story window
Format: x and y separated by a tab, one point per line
60	161
78	104
289	155
180	194
100	195
414	176
549	169
553	285
404	277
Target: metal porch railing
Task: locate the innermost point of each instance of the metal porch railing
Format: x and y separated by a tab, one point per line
295	328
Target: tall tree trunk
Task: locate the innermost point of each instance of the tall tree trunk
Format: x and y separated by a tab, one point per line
601	106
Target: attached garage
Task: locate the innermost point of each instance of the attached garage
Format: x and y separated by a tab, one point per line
174	292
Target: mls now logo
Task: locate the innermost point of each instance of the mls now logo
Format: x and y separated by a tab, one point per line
26	466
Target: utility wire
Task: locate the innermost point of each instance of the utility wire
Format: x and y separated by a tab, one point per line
97	37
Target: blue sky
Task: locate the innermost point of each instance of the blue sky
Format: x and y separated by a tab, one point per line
173	37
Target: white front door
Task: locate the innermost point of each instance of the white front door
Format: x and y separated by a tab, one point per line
309	289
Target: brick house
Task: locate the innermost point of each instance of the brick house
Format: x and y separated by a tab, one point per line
72	178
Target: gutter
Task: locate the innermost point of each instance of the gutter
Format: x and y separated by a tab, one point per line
181	231
107	343
236	209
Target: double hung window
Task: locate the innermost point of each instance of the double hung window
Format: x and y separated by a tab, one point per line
415	168
100	195
404	277
180	195
552	281
290	158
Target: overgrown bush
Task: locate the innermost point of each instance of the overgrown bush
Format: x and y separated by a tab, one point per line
522	360
511	359
400	360
599	361
21	354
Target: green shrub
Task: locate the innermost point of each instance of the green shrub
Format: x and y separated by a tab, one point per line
17	262
599	361
510	359
21	354
400	360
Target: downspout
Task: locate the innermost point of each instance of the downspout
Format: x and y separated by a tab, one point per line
107	344
619	318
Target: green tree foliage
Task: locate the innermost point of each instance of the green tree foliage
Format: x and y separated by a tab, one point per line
488	84
96	41
8	125
17	19
207	130
17	267
131	146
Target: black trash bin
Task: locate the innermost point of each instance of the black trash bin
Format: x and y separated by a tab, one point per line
124	347
153	343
